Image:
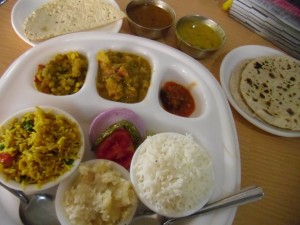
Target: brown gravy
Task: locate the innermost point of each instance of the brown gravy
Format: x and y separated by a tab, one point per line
150	16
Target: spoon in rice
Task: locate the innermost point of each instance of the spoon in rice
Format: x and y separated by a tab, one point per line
35	209
246	195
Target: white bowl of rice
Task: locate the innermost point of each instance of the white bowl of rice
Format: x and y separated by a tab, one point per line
39	147
172	174
99	193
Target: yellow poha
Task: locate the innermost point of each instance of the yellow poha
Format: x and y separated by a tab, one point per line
42	145
63	75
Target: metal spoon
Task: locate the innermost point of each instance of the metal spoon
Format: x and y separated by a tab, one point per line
35	209
241	197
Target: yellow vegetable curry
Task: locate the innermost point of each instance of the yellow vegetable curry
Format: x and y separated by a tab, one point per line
64	74
199	35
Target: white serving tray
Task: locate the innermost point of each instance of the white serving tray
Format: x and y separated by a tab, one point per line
211	124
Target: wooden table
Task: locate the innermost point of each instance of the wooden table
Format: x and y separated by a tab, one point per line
268	161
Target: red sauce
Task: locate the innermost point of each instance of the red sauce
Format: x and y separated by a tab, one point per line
177	99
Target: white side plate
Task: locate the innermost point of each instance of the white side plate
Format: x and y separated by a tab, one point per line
231	60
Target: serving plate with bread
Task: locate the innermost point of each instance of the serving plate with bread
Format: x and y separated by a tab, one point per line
263	85
35	21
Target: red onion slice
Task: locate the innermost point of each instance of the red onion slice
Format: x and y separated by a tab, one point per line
107	118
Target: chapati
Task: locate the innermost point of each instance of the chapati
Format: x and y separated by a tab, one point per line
271	88
234	87
59	17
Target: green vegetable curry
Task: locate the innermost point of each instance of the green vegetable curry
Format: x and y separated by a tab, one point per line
123	77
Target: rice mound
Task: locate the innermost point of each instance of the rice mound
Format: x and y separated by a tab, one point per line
173	175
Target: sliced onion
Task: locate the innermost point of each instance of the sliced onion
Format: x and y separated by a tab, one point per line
107	118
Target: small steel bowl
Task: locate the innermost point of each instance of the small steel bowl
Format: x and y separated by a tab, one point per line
205	45
147	31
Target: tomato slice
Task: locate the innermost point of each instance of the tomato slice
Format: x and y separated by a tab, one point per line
117	147
6	159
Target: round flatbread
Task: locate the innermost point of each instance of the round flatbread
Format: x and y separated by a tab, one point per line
234	87
59	17
271	88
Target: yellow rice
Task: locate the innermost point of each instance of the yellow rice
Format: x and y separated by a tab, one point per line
42	154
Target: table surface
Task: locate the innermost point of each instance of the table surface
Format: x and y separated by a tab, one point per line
269	161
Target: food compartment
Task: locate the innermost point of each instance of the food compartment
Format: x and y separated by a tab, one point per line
123	76
63	74
180	93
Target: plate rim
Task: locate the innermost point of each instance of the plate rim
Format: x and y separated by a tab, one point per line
257	50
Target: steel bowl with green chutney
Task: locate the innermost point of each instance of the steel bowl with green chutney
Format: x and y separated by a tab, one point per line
199	36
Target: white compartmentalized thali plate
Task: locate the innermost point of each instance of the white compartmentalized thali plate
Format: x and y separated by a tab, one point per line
23	8
230	61
212	123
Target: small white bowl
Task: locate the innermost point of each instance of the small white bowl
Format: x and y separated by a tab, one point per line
172	174
32	188
66	185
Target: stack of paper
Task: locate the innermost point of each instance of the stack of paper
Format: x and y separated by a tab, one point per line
276	20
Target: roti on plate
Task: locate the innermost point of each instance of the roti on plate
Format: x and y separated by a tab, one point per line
59	17
234	87
270	86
